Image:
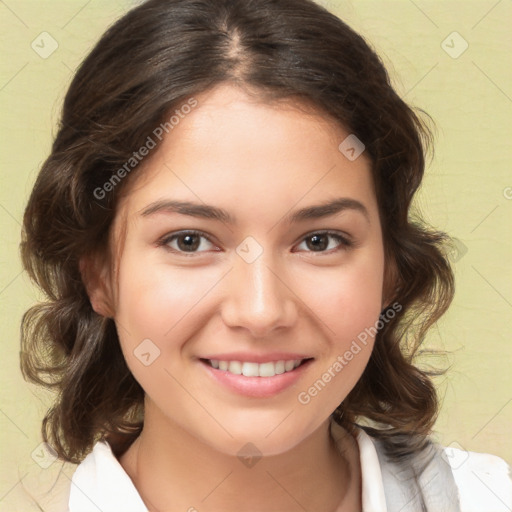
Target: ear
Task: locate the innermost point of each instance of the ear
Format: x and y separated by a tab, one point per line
391	283
95	276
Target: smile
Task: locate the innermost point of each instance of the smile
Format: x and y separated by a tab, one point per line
256	379
252	369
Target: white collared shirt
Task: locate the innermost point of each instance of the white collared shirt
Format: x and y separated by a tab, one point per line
483	480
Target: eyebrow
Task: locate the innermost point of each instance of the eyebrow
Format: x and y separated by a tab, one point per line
214	213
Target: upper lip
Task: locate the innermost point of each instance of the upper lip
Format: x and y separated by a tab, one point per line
257	358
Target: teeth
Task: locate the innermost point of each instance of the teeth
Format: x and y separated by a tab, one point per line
235	367
289	365
279	369
249	369
267	369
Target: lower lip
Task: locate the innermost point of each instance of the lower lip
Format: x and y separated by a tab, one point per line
257	387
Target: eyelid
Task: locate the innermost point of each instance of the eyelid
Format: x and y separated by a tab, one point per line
345	240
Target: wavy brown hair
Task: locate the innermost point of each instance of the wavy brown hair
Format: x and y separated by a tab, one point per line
154	59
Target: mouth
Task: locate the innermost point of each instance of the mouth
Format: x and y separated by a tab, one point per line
256	379
254	369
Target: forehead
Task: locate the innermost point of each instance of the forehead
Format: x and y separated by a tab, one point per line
234	150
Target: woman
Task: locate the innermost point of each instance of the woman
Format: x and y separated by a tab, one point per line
234	282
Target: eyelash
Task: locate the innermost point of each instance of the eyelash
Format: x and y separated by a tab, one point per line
344	242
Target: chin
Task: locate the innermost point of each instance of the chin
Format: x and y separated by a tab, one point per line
267	437
250	447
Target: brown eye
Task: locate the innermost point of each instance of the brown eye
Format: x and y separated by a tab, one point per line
186	242
319	242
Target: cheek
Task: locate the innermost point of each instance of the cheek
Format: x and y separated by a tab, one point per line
349	309
348	298
152	313
161	304
153	299
348	302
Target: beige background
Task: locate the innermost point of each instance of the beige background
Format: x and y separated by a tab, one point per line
467	191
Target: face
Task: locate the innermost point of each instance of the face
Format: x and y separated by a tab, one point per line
239	294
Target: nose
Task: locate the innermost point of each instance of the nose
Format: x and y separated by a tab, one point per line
258	298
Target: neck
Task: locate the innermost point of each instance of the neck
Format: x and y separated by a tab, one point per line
173	470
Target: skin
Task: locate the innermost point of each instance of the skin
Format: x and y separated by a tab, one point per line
259	162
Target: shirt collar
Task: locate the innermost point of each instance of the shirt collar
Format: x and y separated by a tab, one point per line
100	481
373	498
101	484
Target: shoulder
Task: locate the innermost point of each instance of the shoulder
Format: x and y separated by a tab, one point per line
65	487
484	480
94	479
437	478
459	479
